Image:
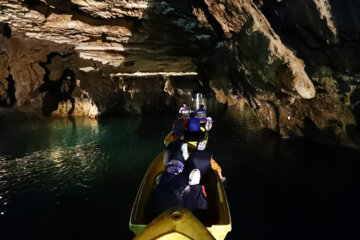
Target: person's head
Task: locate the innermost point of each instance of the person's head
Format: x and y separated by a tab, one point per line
202	106
184	104
175	167
194	177
201	145
192	115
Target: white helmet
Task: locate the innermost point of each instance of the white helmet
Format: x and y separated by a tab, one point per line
201	145
194	177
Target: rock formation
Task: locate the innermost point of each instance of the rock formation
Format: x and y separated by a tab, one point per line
290	61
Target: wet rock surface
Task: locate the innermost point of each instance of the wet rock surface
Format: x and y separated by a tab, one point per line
290	61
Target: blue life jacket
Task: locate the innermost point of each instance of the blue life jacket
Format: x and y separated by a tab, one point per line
194	125
175	151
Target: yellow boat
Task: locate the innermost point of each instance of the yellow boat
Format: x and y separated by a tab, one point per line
217	220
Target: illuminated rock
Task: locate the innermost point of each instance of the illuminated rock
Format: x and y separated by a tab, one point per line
130	55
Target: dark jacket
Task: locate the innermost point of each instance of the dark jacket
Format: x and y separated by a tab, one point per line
175	152
195	197
200	160
169	192
178	126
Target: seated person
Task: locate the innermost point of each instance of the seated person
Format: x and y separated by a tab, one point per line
184	110
202	160
179	124
194	195
201	114
171	185
176	150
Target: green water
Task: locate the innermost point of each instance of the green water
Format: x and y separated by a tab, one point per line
78	178
74	176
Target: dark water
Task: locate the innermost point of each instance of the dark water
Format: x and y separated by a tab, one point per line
77	179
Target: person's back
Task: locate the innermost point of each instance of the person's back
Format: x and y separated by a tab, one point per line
193	123
201	112
202	160
184	110
198	160
168	192
179	125
176	150
194	195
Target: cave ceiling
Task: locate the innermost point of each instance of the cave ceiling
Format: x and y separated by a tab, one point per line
146	36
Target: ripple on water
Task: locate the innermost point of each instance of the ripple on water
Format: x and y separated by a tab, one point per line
53	171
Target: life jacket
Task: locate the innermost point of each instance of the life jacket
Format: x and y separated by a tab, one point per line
175	151
185	122
169	192
194	125
195	198
200	160
176	183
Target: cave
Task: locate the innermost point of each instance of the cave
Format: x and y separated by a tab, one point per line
276	62
293	67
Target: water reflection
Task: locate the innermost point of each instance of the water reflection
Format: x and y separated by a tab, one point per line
20	137
82	175
54	170
75	122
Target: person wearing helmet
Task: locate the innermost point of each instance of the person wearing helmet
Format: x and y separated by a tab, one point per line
176	150
184	110
170	186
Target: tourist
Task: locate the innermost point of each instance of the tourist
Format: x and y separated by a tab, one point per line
170	187
202	160
184	110
176	150
193	123
179	125
201	112
194	195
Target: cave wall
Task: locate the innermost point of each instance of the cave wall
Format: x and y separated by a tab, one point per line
290	61
148	43
285	77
